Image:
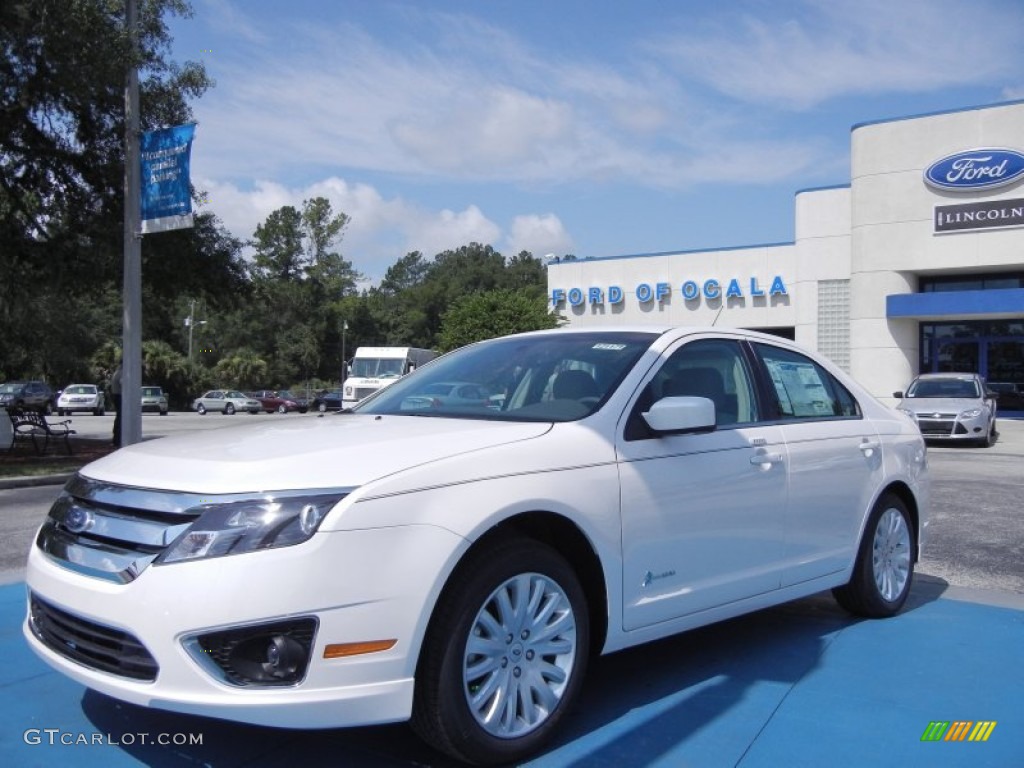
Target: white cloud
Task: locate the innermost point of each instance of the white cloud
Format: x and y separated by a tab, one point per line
379	232
538	234
847	47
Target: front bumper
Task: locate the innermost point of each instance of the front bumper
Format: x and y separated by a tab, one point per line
341	579
953	428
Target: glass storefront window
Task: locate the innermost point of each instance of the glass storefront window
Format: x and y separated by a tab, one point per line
993	348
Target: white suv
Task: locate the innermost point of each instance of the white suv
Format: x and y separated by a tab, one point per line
456	564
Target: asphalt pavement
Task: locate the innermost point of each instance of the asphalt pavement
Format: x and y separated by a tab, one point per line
803	684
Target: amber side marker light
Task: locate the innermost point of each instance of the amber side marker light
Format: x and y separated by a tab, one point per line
340	650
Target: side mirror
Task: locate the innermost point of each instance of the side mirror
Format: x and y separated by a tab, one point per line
677	415
898	395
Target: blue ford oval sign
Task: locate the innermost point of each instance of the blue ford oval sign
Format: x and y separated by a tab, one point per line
976	169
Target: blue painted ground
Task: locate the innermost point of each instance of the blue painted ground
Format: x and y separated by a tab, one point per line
800	685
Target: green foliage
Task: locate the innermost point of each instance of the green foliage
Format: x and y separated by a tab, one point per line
480	316
242	370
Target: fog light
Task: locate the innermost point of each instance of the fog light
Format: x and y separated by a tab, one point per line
284	657
267	654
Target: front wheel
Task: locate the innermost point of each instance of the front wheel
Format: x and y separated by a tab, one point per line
884	568
281	409
322	407
229	410
201	409
504	656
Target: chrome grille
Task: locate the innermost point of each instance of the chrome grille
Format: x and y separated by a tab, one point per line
114	532
90	644
363	392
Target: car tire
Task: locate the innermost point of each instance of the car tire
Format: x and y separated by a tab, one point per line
163	413
60	411
990	437
229	410
98	412
322	407
884	570
485	600
201	409
48	409
282	409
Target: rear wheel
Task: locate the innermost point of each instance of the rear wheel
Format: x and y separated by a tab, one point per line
884	569
504	656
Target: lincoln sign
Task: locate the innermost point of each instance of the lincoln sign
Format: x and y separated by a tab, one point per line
991	214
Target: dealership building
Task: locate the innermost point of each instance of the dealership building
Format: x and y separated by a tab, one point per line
916	265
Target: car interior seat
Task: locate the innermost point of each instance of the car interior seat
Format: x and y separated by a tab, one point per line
704	382
574	385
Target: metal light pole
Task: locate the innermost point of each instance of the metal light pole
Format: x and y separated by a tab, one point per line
190	321
130	410
344	366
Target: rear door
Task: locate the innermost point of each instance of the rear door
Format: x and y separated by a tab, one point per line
835	463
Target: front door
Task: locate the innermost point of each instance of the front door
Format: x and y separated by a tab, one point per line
703	515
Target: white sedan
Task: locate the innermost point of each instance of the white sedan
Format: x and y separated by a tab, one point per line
81	397
456	567
227	401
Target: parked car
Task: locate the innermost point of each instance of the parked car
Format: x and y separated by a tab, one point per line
227	401
1009	396
154	399
952	407
81	397
28	394
281	401
458	567
328	400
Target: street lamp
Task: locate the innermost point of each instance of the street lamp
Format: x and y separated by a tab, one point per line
191	322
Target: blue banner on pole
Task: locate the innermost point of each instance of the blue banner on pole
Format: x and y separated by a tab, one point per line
166	192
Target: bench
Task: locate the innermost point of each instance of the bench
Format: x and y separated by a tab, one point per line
29	424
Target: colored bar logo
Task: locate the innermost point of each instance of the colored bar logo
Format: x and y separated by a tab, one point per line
958	730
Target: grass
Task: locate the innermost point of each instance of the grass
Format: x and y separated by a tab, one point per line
22	460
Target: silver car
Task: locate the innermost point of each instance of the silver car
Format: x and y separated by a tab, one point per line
951	407
227	401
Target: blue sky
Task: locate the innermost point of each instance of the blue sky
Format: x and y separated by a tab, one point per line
593	128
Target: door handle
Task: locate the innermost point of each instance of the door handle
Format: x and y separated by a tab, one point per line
765	460
868	447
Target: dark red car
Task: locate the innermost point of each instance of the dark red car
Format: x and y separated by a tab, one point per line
280	400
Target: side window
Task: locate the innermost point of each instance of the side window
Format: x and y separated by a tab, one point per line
802	388
712	368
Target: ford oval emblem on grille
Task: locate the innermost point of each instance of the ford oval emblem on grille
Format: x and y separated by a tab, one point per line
77	520
976	169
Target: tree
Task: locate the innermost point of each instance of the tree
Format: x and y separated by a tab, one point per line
481	316
62	70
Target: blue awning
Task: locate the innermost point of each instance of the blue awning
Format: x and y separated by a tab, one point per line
937	305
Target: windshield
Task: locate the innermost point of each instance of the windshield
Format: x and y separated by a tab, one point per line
544	377
377	367
938	388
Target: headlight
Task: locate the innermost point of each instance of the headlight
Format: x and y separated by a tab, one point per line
248	526
908	412
971	414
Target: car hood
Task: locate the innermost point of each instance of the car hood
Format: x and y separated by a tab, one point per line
927	405
347	450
